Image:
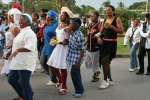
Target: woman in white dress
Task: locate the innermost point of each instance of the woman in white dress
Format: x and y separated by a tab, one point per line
57	60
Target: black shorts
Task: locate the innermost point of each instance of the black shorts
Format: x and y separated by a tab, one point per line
108	52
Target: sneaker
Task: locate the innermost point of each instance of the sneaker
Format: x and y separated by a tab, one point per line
104	84
137	68
111	82
50	83
131	70
77	95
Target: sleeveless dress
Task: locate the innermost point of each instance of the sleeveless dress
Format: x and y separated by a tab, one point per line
59	54
109	48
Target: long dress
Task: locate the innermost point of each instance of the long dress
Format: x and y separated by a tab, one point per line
59	54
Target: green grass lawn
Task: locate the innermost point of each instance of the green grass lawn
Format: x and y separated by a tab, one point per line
121	50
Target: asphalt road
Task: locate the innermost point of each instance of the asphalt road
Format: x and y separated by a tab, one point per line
128	86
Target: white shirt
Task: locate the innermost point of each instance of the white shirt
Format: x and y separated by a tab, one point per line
25	60
146	35
136	36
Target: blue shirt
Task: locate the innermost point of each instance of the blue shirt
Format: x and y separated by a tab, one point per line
75	46
49	33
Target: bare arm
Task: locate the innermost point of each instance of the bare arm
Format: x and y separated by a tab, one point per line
119	28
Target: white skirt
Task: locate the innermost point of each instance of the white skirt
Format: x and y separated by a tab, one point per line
58	57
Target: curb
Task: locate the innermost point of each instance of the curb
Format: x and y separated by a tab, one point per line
122	56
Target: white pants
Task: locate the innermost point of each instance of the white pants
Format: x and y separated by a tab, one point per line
92	60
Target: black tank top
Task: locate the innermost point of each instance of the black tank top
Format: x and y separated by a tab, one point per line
109	33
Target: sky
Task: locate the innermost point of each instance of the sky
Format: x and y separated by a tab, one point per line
97	3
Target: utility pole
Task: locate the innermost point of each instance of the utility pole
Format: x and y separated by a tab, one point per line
147	7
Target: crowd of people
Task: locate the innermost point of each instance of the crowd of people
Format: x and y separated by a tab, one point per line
56	41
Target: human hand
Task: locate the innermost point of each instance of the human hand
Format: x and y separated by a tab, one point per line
99	41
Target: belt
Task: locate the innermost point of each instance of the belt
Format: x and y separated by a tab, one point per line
110	40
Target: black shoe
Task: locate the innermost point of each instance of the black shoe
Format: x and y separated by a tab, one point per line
140	73
148	73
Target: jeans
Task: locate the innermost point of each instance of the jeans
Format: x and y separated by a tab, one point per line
43	61
133	56
76	79
142	53
20	81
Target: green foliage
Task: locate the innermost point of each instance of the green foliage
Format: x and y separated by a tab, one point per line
86	9
138	5
121	50
125	15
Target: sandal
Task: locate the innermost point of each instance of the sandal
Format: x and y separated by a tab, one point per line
18	98
58	85
62	91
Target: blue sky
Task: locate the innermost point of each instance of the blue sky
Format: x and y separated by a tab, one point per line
97	3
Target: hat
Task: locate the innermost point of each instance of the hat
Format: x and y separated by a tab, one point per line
28	17
52	14
68	11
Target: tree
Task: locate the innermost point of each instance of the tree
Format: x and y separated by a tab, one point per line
138	5
106	3
86	9
69	3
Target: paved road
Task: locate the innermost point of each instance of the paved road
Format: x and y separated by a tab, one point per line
128	86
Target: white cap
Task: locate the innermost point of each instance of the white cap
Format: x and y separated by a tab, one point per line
28	16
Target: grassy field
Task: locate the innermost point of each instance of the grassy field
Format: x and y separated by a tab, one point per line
121	50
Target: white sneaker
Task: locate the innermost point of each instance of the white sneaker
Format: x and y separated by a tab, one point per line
137	68
131	70
50	83
104	85
111	82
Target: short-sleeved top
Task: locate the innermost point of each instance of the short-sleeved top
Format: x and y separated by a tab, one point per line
49	33
91	41
25	60
75	46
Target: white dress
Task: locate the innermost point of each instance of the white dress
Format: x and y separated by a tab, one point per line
59	54
9	41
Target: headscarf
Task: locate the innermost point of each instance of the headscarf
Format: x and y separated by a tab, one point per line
52	14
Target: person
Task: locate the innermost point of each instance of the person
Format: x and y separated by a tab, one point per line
57	59
40	33
49	33
75	55
92	53
2	37
144	46
12	31
35	22
108	38
23	59
133	36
